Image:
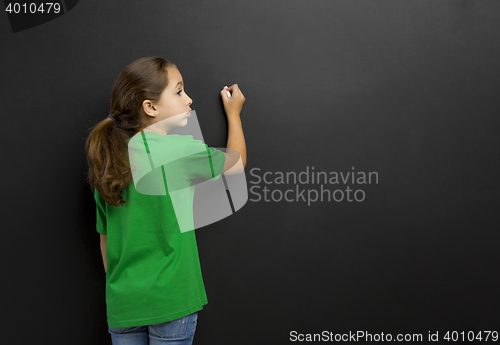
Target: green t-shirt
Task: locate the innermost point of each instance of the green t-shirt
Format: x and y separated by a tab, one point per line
153	269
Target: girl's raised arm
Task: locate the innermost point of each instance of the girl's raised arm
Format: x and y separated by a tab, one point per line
235	137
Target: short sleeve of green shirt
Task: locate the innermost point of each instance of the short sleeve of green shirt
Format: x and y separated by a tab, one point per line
202	161
100	213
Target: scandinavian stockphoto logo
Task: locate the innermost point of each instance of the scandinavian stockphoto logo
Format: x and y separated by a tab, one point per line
171	158
317	180
26	15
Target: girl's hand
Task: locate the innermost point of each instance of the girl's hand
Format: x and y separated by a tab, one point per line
233	105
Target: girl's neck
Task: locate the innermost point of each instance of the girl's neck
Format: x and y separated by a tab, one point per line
156	130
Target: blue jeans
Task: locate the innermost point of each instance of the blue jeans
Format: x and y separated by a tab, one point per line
175	332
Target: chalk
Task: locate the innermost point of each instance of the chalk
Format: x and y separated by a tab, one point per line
228	93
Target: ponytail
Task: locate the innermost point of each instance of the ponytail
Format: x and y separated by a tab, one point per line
107	158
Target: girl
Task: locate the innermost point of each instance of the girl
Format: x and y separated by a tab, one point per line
154	285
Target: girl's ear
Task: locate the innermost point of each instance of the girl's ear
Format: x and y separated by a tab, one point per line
148	107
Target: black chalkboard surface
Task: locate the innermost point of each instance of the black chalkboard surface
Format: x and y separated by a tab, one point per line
391	106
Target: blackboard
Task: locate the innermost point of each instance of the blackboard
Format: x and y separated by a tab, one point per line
405	90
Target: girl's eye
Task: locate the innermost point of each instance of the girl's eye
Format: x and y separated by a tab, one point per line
178	92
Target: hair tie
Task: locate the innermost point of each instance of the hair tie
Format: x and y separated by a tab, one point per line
111	117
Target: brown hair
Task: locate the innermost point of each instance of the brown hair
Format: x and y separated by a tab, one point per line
106	146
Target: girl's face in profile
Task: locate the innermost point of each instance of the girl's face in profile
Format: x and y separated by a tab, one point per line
174	104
